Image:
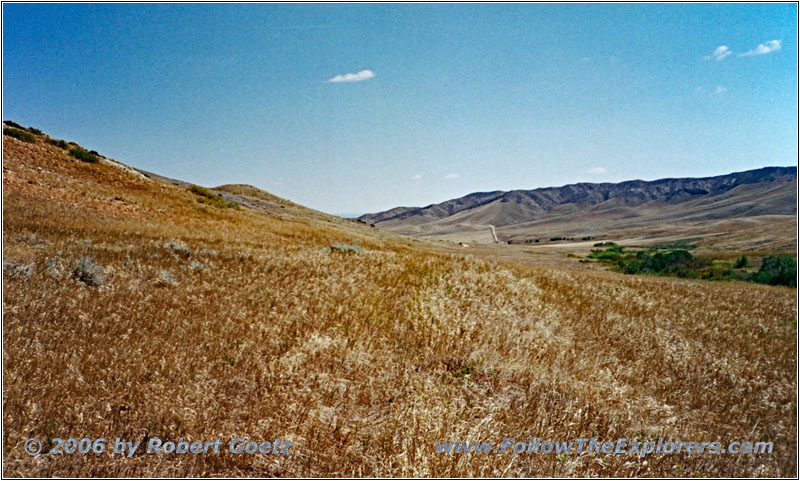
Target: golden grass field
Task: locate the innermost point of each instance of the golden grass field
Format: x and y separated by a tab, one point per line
233	323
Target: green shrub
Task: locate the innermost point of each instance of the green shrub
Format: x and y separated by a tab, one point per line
58	143
609	255
780	270
210	198
777	271
82	154
19	134
35	131
13	124
630	267
679	263
682	244
741	263
676	262
605	244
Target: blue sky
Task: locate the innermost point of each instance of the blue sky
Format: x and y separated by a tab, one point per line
360	108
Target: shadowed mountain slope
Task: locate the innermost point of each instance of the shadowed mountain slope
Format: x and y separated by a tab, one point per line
586	208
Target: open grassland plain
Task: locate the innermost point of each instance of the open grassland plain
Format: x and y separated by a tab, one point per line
133	310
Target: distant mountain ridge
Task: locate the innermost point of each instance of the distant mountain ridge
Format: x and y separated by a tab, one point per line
753	191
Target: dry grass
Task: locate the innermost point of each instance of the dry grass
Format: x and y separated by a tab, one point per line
221	323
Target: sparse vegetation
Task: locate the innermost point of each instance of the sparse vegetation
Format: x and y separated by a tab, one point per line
346	249
165	278
58	143
16	269
83	154
13	124
613	253
89	273
205	196
202	265
17	126
19	134
178	247
55	266
683	244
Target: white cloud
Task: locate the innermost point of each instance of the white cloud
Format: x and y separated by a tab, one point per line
597	171
353	77
720	53
416	177
452	176
720	89
762	48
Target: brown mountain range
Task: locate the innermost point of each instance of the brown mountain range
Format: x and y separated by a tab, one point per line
633	207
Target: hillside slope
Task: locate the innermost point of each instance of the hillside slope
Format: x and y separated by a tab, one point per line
136	308
633	207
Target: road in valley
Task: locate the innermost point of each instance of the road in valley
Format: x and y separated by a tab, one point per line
494	234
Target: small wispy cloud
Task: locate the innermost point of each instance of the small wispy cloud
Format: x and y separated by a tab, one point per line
452	176
597	171
763	48
723	51
720	89
416	177
353	77
720	53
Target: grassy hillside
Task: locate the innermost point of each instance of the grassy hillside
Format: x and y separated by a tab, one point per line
133	310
